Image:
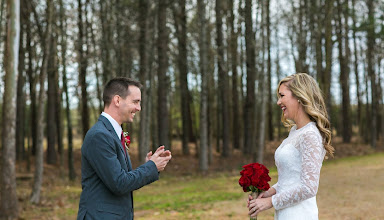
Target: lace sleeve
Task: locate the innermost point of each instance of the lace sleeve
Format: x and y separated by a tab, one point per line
276	186
312	155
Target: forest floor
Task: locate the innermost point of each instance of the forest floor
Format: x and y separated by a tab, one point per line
351	187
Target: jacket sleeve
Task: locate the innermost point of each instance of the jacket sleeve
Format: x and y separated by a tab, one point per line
102	156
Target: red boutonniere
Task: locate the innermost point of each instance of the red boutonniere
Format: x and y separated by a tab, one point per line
127	140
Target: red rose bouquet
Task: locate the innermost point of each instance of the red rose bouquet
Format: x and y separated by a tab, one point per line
254	178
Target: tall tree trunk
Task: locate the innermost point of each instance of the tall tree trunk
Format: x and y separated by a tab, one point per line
269	68
59	106
106	40
223	80
9	207
316	24
145	111
370	66
301	65
278	76
1	15
51	111
82	72
249	108
356	68
20	106
63	41
263	88
181	33
32	128
328	54
203	154
344	73
367	134
162	94
235	87
35	196
99	82
32	79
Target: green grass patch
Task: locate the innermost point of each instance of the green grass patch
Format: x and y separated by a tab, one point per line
187	192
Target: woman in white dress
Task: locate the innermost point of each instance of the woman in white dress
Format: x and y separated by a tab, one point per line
300	156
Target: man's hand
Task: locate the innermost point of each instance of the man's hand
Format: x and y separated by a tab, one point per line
164	154
161	158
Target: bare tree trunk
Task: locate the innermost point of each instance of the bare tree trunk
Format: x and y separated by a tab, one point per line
249	108
20	106
356	69
316	25
328	54
269	68
223	81
371	71
145	111
35	196
301	65
63	41
162	94
235	88
32	128
278	76
32	79
9	207
83	72
108	72
99	82
58	119
367	134
203	155
51	111
1	15
181	33
263	88
344	74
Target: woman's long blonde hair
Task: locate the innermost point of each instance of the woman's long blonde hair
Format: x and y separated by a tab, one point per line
307	91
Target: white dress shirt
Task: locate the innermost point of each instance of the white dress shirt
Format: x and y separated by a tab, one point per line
114	123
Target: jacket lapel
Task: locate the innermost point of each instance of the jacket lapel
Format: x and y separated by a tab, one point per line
110	128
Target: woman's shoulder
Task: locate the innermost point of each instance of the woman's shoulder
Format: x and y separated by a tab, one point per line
311	133
310	130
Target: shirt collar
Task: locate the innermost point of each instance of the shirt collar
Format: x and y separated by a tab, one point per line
114	123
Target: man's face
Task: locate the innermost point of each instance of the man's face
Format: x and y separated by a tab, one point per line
130	105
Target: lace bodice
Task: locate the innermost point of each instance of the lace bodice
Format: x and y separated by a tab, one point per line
298	159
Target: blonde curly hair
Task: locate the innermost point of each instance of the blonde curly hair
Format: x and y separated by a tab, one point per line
307	91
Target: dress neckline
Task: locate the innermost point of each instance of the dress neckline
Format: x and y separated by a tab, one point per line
296	129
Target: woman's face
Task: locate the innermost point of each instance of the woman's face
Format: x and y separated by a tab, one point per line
288	103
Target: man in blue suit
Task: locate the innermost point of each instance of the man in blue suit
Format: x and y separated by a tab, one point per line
107	177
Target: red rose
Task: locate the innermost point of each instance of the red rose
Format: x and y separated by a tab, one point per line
254	176
247	172
244	181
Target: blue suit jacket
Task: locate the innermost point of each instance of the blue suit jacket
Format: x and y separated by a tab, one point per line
107	178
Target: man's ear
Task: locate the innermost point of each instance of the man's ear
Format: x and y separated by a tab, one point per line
116	100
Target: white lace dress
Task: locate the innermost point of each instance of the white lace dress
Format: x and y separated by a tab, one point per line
298	159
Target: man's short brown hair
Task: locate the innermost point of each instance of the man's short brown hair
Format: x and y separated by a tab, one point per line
118	86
